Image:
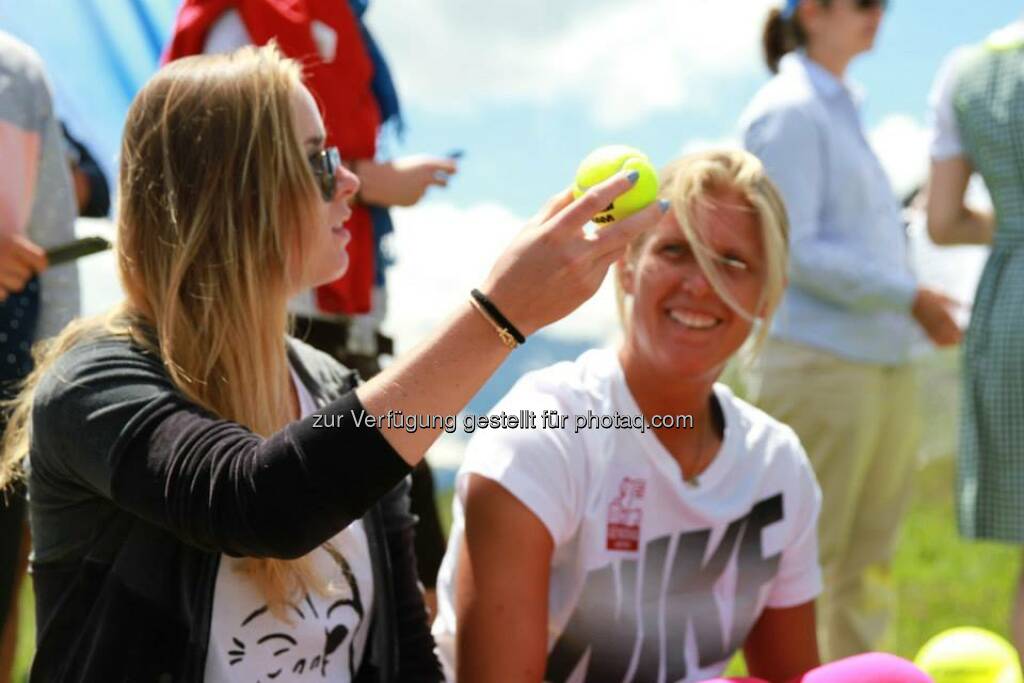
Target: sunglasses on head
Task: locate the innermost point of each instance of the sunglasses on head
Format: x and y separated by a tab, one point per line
871	4
325	165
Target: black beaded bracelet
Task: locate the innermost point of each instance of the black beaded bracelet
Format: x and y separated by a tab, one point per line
496	315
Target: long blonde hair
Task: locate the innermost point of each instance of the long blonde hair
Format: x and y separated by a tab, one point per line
688	182
213	192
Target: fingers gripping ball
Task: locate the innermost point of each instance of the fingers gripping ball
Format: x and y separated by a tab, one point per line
969	655
605	162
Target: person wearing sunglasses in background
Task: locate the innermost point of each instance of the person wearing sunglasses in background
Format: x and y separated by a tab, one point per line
974	92
837	364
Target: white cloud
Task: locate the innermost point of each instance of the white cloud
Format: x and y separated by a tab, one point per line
622	60
443	251
901	143
706	144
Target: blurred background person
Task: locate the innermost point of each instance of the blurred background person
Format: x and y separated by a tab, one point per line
37	208
976	106
347	73
836	366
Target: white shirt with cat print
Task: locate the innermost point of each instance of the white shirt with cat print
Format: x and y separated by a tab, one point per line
324	636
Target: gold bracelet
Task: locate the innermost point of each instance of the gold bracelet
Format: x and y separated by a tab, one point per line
506	337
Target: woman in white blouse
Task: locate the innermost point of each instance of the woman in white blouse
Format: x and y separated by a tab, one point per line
837	367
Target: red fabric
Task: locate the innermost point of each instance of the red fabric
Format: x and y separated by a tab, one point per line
342	88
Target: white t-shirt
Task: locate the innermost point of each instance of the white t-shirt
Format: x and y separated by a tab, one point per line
945	135
327	635
651	579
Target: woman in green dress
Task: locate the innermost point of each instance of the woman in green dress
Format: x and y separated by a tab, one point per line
977	104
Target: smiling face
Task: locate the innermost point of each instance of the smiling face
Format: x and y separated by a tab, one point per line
679	324
321	256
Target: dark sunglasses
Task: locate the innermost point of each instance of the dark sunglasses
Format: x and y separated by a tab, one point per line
871	4
325	165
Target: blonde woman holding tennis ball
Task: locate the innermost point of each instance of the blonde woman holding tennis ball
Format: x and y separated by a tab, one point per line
191	508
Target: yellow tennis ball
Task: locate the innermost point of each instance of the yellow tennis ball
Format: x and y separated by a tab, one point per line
969	655
605	162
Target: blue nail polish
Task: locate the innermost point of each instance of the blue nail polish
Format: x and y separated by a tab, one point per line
633	176
664	205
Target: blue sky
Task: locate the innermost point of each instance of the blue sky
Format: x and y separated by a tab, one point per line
528	87
523	143
522	89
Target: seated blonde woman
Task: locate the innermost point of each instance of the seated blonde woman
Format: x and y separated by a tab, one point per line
655	549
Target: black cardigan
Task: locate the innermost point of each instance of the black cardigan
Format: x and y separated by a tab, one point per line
136	492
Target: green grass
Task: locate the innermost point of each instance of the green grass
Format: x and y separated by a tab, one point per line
942	580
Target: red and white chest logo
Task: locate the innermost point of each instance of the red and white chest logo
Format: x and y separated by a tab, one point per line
625	514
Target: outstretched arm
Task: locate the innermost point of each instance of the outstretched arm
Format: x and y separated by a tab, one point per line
549	270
